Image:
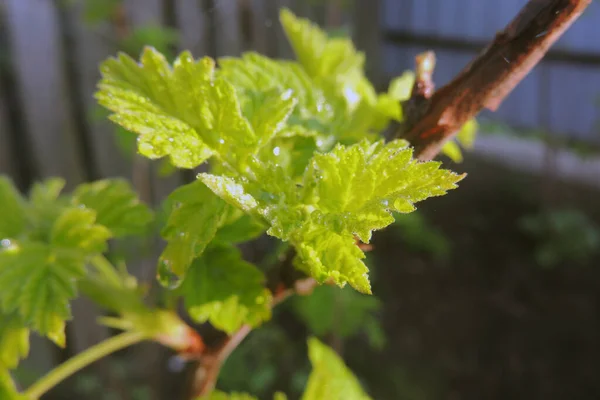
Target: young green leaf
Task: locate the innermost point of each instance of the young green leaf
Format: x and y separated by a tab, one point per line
357	187
341	312
116	205
76	229
192	224
218	395
14	340
326	255
12	213
319	55
8	390
225	290
330	379
38	281
179	111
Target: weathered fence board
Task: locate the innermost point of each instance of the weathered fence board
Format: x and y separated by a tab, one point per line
93	44
574	95
38	59
193	26
228	40
7	161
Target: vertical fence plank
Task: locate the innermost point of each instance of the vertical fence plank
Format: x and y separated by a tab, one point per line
283	49
259	14
366	23
193	27
7	161
573	100
144	13
37	53
228	41
93	44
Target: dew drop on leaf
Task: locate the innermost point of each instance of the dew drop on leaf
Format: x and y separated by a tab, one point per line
166	277
5	243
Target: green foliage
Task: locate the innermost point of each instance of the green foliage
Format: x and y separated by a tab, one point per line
240	117
14	341
293	149
50	239
562	236
8	390
225	290
330	378
419	235
192	224
343	313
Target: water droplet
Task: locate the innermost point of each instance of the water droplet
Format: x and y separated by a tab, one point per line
384	203
171	139
176	364
166	277
221	141
5	243
287	94
276	150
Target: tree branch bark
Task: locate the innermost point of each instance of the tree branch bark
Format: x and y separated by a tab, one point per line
489	78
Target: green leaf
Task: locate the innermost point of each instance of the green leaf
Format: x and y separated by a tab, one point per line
226	291
452	150
341	312
257	77
182	112
218	395
8	390
467	134
37	282
401	87
356	188
96	11
326	255
239	228
116	204
45	206
76	228
330	379
159	37
319	55
192	224
14	341
12	213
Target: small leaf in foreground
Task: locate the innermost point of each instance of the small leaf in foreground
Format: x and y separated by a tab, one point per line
37	282
12	211
225	290
116	204
14	340
330	379
193	222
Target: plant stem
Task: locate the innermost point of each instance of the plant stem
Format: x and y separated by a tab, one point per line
106	269
81	360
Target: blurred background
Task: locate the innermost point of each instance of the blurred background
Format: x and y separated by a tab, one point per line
491	292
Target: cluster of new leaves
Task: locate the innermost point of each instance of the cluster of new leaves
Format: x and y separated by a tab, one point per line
329	379
293	149
47	241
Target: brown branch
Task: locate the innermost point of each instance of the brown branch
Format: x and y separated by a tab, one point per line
490	77
211	361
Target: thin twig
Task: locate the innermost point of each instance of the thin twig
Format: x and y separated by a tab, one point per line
492	75
207	373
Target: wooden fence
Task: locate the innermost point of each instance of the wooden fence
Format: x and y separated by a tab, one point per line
561	95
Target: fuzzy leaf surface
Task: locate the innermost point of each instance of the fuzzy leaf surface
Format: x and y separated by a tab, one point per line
226	291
